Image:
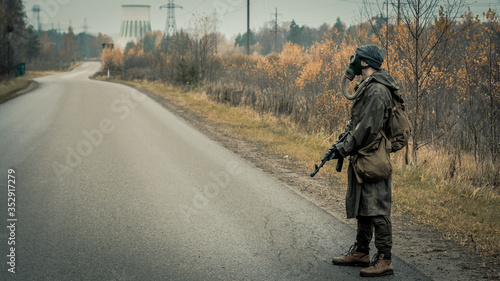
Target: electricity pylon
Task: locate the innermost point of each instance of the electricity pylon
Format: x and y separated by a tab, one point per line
170	26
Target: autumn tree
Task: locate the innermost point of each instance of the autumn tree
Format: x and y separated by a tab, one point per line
134	62
479	76
151	41
265	37
169	54
492	72
416	43
203	47
112	59
69	48
95	44
47	47
31	47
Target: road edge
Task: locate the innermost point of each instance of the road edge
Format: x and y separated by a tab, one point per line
32	85
436	255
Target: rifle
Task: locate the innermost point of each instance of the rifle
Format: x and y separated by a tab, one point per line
327	158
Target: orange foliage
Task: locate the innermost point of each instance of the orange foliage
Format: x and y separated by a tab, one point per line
278	71
112	59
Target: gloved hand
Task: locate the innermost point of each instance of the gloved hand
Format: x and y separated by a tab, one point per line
342	135
334	153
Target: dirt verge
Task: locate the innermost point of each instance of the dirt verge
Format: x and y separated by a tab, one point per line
17	92
438	256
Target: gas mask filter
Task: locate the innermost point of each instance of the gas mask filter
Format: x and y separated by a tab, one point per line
355	67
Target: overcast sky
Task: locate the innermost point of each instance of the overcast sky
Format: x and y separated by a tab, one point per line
105	15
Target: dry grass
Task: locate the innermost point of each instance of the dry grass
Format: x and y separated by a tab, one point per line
15	84
12	85
437	192
445	195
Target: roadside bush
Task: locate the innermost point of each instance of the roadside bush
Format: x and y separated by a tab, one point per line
187	74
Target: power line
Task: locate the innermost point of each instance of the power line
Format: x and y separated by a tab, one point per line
199	5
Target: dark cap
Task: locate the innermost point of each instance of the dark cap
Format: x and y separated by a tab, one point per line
372	55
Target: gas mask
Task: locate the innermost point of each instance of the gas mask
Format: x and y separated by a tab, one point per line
355	68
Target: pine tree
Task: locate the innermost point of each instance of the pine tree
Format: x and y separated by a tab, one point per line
295	34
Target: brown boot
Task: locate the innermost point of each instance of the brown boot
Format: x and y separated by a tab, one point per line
353	258
379	267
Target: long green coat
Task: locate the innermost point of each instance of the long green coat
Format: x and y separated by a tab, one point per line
369	113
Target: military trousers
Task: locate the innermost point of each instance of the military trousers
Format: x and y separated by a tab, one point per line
382	227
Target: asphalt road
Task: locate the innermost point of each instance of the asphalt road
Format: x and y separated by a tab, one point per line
109	185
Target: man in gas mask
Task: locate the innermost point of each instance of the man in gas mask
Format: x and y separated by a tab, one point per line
368	202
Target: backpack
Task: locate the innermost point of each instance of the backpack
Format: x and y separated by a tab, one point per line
398	127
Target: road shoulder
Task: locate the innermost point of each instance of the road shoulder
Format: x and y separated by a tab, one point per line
8	95
438	256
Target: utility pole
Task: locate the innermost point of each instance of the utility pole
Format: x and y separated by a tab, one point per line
85	26
248	27
399	11
276	29
85	39
215	31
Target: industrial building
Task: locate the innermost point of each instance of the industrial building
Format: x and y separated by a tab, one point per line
135	24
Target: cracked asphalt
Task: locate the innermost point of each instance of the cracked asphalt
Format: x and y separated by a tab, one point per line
112	186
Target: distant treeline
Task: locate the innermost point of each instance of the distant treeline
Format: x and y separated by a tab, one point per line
55	50
40	50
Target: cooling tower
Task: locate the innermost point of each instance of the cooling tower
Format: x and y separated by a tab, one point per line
135	24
